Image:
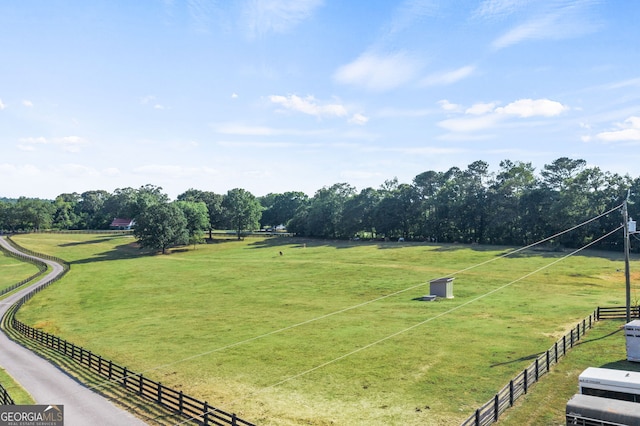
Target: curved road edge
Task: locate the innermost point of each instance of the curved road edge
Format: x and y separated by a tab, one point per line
46	383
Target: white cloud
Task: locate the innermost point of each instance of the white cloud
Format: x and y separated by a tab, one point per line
70	143
241	129
358	119
27	103
408	12
277	16
250	130
174	171
533	107
76	170
112	171
21	170
377	72
449	77
481	108
552	21
309	105
629	130
498	8
255	144
483	116
32	140
234	95
67	143
448	106
158	106
470	124
2	105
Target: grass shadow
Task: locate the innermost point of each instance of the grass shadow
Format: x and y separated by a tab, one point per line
122	251
524	358
88	242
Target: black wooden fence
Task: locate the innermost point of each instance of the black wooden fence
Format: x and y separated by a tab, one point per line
5	398
205	414
42	268
187	406
617	312
519	385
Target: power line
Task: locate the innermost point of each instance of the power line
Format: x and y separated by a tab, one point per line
429	319
107	383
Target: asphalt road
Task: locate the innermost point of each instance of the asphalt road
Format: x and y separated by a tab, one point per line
50	385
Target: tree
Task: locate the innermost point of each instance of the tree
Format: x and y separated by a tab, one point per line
197	216
279	209
162	226
33	213
326	211
359	210
397	213
241	210
504	198
122	203
91	205
214	206
65	216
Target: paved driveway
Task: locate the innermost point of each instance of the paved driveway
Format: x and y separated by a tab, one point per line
50	385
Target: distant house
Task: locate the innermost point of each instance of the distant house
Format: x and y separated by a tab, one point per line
122	224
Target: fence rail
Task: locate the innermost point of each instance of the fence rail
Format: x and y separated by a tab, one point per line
205	414
5	398
42	268
519	385
617	312
185	405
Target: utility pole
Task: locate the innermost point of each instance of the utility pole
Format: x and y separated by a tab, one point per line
625	214
626	260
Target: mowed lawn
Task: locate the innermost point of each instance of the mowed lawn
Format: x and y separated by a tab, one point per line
327	332
12	271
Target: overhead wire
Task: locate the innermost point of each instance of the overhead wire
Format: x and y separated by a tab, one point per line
455	308
108	383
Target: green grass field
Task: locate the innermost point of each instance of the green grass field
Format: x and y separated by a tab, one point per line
13	271
292	339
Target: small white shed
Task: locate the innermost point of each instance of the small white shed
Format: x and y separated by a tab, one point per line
632	334
442	287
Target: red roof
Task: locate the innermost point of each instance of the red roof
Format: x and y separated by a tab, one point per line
121	223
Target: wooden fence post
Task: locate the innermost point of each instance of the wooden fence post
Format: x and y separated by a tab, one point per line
510	393
140	384
478	417
205	415
525	380
548	363
159	393
537	370
496	407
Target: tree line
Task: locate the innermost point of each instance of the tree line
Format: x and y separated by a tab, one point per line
513	206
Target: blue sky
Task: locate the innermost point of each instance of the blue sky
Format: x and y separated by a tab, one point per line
295	95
